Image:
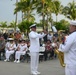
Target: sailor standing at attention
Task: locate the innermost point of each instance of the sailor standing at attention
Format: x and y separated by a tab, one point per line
34	48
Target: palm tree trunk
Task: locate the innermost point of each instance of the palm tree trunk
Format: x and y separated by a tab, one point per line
43	15
43	20
47	23
22	16
56	19
16	19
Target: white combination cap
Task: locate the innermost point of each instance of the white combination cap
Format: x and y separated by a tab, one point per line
34	25
73	23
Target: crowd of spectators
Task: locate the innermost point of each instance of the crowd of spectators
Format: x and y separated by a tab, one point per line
19	45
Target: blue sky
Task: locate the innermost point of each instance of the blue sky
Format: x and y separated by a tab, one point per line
7	7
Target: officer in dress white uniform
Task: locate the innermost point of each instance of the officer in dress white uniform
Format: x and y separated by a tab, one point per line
10	48
34	48
69	49
21	50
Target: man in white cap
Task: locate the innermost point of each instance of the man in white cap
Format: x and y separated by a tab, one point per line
10	48
34	48
69	49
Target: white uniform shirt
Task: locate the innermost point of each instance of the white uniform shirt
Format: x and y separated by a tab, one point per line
34	41
69	49
22	47
11	46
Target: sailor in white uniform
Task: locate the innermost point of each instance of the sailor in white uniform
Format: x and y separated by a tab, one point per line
10	48
69	49
34	48
21	50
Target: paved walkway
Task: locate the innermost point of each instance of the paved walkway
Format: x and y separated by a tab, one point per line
50	67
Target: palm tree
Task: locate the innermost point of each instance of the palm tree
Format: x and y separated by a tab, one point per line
24	26
11	25
44	8
70	11
3	25
15	17
48	11
57	7
26	8
43	2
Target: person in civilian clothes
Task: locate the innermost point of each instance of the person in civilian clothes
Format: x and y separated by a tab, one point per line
48	50
10	48
2	46
69	49
34	48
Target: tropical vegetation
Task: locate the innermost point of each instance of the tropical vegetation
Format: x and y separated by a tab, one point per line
44	9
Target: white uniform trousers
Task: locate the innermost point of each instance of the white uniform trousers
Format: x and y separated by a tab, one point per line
34	61
8	53
70	69
18	54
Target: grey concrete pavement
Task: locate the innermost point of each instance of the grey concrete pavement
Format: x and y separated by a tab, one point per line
50	67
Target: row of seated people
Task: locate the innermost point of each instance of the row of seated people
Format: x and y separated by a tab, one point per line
21	49
49	50
11	48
